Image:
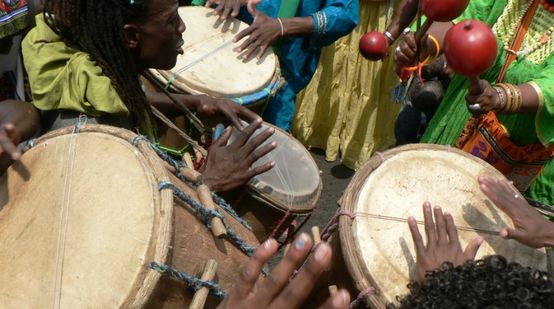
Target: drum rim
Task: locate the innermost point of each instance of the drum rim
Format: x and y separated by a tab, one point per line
305	207
160	243
177	83
355	264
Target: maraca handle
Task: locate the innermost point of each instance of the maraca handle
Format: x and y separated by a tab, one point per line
475	87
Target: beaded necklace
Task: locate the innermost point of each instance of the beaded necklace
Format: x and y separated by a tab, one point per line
536	46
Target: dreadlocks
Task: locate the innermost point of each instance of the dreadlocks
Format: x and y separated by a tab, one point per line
96	27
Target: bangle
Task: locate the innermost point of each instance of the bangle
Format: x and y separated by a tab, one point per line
509	98
282	27
437	45
501	99
518	98
389	36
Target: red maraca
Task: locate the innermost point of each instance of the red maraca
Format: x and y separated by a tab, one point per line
374	45
443	10
470	48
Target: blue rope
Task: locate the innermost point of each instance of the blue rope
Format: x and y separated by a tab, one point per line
193	282
229	209
207	215
178	165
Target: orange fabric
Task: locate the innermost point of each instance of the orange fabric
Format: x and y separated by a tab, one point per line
485	138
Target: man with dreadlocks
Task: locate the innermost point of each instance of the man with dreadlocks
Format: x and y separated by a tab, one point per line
85	57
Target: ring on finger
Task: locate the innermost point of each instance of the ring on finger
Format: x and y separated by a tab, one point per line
475	108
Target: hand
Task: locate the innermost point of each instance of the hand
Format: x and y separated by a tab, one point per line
230	166
482	98
443	244
530	227
263	32
226	8
231	110
9	138
406	53
277	290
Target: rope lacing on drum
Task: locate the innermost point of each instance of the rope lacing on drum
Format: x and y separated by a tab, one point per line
193	282
333	224
207	215
360	298
178	165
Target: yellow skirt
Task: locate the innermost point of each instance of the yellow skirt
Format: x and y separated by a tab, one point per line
347	108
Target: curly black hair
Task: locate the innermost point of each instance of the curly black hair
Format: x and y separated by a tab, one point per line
488	283
96	28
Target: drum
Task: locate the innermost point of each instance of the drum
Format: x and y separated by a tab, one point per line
285	196
373	245
91	217
211	65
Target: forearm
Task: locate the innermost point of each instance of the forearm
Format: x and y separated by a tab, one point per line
403	16
23	115
162	102
298	26
515	99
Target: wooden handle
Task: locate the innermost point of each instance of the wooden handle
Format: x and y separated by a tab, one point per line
316	234
475	86
188	160
333	290
218	229
201	295
189	174
421	31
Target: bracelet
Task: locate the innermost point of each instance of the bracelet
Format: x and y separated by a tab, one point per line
509	98
518	98
501	99
282	27
389	36
437	45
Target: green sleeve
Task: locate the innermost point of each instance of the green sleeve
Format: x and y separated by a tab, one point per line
61	77
484	10
544	120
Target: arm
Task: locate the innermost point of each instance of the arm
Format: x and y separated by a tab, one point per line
202	104
18	122
403	16
530	228
336	19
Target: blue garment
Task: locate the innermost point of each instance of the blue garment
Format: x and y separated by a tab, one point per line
299	56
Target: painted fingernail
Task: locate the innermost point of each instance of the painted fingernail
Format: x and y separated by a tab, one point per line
480	240
340	300
272	163
321	252
301	241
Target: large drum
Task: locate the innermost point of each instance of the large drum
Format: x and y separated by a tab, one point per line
373	245
88	219
211	64
286	194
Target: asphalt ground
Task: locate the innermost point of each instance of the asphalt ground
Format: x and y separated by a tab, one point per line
336	178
